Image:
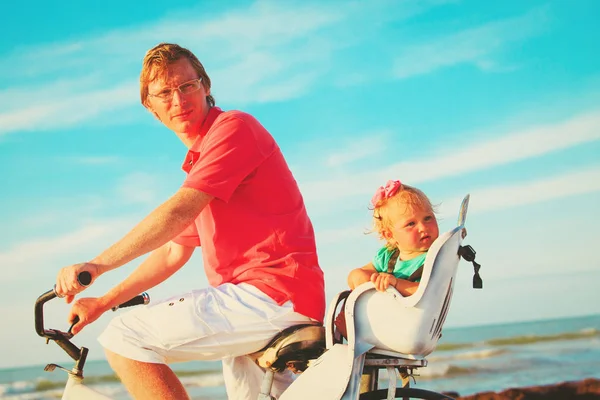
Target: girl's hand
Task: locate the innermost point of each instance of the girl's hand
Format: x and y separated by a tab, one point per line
383	280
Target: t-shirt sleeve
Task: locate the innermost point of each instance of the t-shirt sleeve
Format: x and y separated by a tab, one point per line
381	259
230	151
188	237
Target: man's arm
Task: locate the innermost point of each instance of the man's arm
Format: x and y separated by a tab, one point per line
160	265
159	227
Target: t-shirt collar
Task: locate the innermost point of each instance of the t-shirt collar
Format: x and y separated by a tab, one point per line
212	115
193	153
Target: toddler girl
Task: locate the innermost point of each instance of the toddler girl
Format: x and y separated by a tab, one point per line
403	216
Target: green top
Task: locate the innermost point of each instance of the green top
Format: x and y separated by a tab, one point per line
403	269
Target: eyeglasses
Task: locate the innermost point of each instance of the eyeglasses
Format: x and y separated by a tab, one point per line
166	95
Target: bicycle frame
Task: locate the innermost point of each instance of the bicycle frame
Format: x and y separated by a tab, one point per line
75	389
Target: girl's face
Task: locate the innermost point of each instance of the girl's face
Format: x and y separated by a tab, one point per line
412	230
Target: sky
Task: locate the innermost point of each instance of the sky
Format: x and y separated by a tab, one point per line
496	99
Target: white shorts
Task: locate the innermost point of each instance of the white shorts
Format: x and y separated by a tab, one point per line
227	322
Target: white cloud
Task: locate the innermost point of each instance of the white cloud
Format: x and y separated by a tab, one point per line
93	160
483	200
341	235
358	149
139	188
25	258
269	51
473	45
529	192
514	146
67	109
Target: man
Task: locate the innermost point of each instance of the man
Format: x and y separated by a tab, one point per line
239	202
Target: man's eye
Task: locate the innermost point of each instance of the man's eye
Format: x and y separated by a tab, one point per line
186	87
164	93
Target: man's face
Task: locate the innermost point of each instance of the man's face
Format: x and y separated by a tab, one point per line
182	113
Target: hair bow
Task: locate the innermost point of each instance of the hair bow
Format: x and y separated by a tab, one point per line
385	192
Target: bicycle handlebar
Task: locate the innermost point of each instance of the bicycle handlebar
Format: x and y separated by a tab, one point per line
84	278
140	299
62	338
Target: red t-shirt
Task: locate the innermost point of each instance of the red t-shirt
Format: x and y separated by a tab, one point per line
256	229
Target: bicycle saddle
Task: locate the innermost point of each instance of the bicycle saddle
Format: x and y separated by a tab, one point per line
292	348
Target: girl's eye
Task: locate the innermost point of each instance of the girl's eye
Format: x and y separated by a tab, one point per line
410	224
428	218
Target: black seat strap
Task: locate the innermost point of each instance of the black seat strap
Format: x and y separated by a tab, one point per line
392	264
415	276
392	261
468	253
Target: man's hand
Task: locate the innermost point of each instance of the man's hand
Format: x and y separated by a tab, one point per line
383	280
67	284
87	309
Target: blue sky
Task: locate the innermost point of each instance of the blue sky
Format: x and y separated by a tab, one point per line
496	99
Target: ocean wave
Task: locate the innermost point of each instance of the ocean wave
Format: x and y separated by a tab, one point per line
531	339
45	395
439	370
453	346
470	355
587	333
16	387
207	380
108	384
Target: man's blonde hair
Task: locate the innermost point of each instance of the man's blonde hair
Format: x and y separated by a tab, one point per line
408	197
157	60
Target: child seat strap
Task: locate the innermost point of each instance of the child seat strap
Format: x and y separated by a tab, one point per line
468	253
392	264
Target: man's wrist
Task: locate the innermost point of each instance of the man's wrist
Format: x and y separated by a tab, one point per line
99	267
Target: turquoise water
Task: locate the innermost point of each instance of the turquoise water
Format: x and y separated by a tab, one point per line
468	360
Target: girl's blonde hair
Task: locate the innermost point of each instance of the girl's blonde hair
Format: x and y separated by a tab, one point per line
408	197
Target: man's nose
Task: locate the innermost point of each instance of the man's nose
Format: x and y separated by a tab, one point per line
178	98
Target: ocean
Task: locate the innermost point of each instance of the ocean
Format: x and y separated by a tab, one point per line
468	360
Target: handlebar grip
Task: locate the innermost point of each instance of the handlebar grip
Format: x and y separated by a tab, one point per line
84	278
140	299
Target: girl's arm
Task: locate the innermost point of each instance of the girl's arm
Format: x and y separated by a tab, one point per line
383	281
360	275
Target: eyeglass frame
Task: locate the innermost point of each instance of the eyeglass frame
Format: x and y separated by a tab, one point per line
166	95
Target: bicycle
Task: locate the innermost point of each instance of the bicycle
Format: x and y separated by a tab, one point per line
294	348
315	351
